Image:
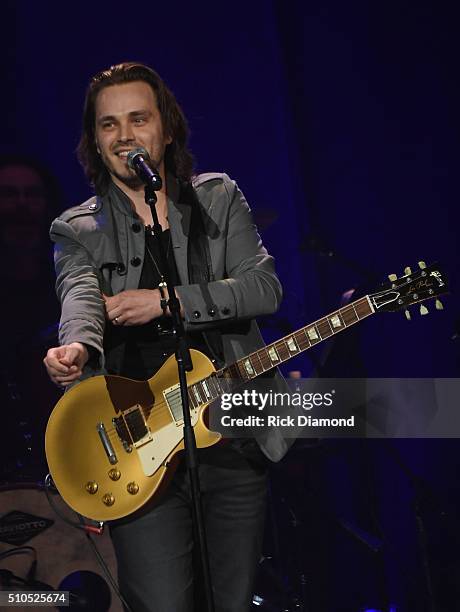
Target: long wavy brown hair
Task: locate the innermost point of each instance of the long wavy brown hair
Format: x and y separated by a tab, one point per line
178	158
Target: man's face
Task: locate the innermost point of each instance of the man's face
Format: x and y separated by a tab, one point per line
127	117
23	206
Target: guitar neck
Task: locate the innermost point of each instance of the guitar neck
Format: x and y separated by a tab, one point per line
280	351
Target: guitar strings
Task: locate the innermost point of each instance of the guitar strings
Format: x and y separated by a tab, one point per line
160	409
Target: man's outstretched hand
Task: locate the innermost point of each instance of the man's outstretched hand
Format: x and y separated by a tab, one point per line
64	364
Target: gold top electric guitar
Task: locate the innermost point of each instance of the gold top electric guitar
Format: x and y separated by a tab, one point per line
112	443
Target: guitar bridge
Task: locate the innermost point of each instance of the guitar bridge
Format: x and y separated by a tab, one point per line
132	428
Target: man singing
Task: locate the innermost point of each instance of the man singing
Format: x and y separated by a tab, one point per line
114	320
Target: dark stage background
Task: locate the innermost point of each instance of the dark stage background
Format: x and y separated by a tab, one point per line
340	122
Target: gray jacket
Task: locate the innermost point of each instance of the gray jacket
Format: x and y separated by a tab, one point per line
99	246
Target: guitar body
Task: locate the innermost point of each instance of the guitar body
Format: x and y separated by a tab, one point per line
112	442
96	474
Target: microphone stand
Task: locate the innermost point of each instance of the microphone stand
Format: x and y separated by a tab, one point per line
184	364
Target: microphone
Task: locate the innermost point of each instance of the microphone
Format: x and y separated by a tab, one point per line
138	160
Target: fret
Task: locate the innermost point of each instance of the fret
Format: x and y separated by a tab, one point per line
313	335
218	384
256	363
371	307
224	374
292	345
233	372
204	391
249	370
230	376
324	328
362	309
191	399
199	390
238	371
302	339
273	354
196	394
207	393
242	370
225	384
349	315
336	322
265	358
356	313
213	384
282	350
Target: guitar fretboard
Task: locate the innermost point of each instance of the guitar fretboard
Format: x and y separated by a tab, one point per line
266	358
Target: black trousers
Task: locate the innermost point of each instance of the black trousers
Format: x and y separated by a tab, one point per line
155	552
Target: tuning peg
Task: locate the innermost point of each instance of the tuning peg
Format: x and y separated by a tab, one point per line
439	305
423	309
407	270
407	313
421	265
392	277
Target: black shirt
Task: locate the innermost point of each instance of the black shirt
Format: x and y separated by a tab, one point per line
148	346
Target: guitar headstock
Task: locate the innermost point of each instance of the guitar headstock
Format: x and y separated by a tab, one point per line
425	283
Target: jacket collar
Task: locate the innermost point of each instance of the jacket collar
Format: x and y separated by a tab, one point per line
179	216
118	200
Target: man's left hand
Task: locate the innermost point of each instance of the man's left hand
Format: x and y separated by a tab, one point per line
133	307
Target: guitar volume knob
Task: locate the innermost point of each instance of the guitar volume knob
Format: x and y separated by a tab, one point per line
114	474
91	487
108	499
132	488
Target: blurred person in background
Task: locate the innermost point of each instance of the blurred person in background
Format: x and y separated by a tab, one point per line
29	199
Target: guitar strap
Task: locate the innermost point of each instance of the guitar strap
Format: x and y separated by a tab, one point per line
200	270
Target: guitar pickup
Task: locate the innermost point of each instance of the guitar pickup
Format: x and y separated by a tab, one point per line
132	428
